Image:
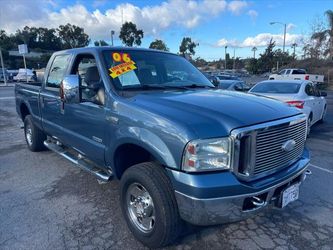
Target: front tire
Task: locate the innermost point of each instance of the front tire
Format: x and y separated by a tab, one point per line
33	135
149	205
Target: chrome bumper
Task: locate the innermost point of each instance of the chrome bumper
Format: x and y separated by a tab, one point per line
233	208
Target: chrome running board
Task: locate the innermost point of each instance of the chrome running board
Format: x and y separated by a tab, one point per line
79	160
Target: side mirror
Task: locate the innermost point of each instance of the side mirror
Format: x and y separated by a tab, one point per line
322	93
69	89
238	88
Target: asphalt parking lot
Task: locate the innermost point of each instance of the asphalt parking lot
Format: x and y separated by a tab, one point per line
45	203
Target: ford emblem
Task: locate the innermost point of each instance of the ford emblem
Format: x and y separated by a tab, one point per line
288	145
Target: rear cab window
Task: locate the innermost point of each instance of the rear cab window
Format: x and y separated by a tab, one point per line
299	72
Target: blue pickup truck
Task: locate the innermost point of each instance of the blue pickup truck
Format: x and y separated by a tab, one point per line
183	150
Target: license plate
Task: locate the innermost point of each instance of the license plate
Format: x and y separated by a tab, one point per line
290	194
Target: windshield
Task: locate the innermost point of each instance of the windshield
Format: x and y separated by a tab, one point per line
130	69
277	87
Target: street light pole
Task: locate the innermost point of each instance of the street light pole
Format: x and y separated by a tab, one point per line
225	57
284	33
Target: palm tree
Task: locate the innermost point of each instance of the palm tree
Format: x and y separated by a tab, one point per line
254	49
294	45
322	35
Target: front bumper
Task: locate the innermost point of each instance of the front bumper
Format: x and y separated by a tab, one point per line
202	203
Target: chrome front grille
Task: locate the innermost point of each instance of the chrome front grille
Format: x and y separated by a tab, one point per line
269	152
266	148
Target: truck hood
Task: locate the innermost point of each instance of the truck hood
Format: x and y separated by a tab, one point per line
213	113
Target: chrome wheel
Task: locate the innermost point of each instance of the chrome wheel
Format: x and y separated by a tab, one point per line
28	134
140	207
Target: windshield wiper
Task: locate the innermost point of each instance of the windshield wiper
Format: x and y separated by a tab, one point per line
152	86
186	86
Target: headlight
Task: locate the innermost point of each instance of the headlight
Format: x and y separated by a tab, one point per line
211	154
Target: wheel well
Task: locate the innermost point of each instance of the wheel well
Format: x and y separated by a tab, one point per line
128	155
24	111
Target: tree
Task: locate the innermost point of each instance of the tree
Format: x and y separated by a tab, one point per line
187	46
252	66
294	45
158	44
5	41
101	43
266	60
46	39
130	35
72	36
321	36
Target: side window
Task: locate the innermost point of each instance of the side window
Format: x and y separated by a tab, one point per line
57	71
91	85
282	72
309	90
288	72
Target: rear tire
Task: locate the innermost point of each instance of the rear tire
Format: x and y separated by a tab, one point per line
33	135
155	200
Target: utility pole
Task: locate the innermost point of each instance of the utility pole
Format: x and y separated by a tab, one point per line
112	33
225	57
254	49
284	37
3	68
233	66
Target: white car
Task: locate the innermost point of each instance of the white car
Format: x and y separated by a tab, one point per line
24	75
296	74
300	94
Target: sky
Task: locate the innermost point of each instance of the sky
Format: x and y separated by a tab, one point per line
213	24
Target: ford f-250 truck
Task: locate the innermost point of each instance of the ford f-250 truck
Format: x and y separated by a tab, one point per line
183	150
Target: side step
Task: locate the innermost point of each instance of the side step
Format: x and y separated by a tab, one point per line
78	160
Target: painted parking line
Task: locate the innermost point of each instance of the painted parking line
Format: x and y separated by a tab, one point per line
323	169
7	98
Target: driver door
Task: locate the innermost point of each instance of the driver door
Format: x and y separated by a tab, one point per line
86	120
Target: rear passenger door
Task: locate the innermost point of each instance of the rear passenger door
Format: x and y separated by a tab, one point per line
50	98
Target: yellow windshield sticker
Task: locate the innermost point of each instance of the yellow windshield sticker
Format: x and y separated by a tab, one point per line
122	69
126	64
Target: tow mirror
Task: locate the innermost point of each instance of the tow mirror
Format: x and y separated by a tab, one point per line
69	89
238	88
